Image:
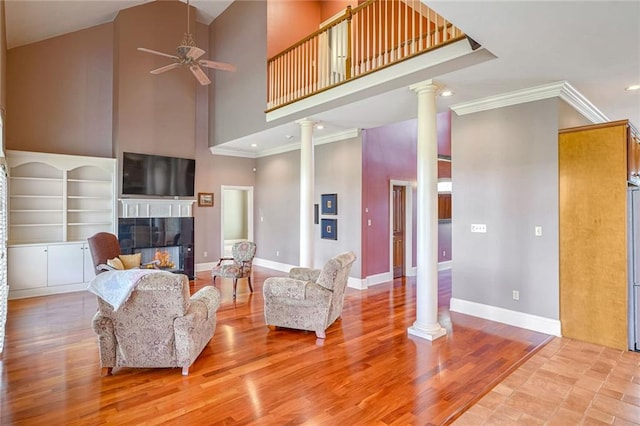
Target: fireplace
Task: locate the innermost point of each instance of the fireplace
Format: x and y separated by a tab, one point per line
168	239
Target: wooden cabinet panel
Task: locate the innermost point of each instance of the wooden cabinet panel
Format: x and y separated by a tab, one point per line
593	233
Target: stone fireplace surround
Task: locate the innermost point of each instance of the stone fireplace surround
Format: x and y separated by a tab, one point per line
147	225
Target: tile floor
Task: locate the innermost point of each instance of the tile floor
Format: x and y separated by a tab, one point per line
566	383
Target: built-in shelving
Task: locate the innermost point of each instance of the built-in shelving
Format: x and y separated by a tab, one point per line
55	203
60	198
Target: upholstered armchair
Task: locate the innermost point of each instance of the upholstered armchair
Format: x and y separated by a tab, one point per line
238	266
157	325
308	299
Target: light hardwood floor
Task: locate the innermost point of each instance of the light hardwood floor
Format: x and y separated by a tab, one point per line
367	371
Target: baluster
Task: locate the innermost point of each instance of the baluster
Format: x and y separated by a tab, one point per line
349	36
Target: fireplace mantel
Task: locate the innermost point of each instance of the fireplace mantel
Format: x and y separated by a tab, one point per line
154	207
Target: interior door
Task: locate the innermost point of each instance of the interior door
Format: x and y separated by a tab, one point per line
398	231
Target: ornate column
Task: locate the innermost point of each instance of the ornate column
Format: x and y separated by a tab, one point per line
426	325
307	186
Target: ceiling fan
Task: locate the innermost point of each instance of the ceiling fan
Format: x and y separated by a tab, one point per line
188	54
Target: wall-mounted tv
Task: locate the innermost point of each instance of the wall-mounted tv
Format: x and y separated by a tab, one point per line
144	174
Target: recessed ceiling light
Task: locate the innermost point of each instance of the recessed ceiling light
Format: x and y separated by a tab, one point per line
633	87
320	126
254	145
288	136
446	93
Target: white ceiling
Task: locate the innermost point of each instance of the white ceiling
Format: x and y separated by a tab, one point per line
594	45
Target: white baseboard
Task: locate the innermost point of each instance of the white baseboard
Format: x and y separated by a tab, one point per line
379	278
46	291
412	272
442	266
284	267
205	266
506	316
357	283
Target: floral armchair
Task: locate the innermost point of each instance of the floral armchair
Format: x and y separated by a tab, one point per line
157	325
308	299
240	267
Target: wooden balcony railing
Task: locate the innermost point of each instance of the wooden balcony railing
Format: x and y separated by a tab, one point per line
373	35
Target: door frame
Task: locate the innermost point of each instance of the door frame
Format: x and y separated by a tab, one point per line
409	270
249	190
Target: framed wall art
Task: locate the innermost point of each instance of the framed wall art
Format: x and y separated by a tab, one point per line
329	203
329	229
205	199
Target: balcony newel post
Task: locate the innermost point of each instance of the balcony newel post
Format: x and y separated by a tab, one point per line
348	61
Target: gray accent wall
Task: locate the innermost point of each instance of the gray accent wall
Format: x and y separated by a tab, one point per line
338	169
238	99
505	175
277	208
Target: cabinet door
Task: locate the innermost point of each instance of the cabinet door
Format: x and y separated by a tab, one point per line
27	267
89	269
65	264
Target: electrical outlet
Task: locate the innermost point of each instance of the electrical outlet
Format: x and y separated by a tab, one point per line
478	227
538	231
516	295
205	254
277	253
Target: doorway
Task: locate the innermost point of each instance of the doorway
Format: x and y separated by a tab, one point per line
236	216
400	229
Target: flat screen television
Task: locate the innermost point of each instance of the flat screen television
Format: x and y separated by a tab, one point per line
145	174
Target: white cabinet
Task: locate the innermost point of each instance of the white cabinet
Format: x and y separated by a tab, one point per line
89	271
65	264
55	203
40	269
27	267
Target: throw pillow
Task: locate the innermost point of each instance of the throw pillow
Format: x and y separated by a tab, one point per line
115	263
131	261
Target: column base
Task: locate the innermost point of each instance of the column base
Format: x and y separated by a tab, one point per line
429	332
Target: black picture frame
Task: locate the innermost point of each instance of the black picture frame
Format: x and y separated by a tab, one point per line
329	229
329	203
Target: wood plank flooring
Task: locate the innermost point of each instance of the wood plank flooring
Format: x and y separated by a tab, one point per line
367	371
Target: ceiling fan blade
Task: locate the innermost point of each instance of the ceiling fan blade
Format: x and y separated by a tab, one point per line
217	65
165	68
154	52
194	52
200	75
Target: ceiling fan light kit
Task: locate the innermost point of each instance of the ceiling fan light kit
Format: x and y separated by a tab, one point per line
188	54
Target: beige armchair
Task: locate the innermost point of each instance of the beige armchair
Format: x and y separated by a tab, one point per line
308	299
158	325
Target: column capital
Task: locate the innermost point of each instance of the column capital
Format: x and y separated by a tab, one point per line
306	122
425	86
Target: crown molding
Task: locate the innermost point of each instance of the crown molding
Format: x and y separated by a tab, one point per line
560	89
334	137
220	150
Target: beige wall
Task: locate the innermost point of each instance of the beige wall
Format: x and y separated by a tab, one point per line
212	171
152	113
59	94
